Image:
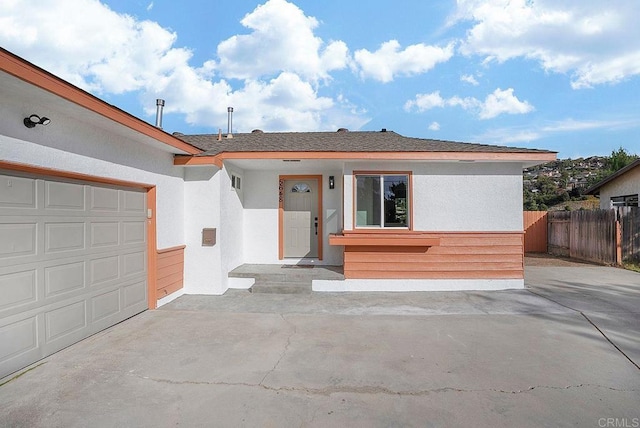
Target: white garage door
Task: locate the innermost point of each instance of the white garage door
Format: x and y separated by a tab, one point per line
72	262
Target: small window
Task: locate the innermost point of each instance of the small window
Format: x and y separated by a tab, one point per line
624	201
235	182
301	188
382	200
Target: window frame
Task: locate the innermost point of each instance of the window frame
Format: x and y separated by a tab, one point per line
382	227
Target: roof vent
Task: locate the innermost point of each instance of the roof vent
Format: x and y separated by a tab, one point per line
342	130
159	107
229	122
257	131
178	134
384	130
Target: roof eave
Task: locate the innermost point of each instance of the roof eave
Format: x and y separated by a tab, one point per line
34	75
524	157
593	190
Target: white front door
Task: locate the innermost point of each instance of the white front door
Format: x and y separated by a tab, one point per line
301	218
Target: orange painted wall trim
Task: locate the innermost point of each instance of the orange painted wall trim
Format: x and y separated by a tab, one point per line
36	76
182	160
170	249
152	257
281	180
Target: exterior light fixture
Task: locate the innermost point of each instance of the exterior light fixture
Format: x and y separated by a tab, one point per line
34	119
332	182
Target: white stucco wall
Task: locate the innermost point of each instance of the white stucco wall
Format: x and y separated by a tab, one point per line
75	147
261	216
626	184
74	143
454	196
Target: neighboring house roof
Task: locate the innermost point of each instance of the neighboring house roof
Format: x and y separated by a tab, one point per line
340	141
595	189
15	66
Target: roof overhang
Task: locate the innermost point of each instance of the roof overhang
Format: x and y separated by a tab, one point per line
595	189
527	159
32	75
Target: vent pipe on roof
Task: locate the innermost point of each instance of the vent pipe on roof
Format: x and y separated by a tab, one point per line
159	105
229	122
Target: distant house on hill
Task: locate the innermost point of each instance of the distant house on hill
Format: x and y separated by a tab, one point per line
620	189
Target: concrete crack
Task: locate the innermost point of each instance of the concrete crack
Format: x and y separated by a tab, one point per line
374	390
592	323
284	351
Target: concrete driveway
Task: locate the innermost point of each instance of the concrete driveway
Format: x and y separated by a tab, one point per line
562	353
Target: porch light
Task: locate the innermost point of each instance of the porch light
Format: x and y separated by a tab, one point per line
332	182
34	119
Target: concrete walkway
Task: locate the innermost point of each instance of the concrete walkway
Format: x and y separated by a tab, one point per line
512	358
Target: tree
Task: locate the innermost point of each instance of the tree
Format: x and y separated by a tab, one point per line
619	159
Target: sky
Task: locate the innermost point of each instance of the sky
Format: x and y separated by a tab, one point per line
561	75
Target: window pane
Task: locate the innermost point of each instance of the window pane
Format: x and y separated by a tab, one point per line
368	201
396	203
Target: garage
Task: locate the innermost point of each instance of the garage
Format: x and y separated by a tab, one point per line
73	261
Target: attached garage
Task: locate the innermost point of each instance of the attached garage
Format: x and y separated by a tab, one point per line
73	261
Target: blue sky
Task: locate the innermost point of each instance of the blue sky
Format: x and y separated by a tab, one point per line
561	75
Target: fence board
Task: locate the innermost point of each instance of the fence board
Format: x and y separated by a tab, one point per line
558	236
630	227
593	236
535	231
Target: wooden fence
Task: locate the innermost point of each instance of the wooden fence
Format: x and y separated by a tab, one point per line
535	231
601	236
630	233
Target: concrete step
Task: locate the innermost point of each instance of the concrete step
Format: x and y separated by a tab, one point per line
281	287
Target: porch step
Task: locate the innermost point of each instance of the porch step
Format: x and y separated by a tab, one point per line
281	287
285	279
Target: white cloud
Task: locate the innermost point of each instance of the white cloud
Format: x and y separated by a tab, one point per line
149	6
106	52
468	78
528	134
434	126
390	61
425	102
497	103
595	42
501	102
282	39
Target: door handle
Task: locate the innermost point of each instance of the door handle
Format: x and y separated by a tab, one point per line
316	219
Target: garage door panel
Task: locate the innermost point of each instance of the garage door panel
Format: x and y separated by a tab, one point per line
64	278
67	196
134	294
64	236
104	234
105	305
63	321
18	239
73	262
17	192
18	289
18	337
134	264
134	202
103	199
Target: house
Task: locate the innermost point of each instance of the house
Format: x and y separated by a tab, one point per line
103	215
621	189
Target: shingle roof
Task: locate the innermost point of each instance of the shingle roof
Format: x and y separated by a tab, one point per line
345	141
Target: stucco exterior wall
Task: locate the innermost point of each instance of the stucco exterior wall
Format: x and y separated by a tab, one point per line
79	148
261	216
626	184
454	196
